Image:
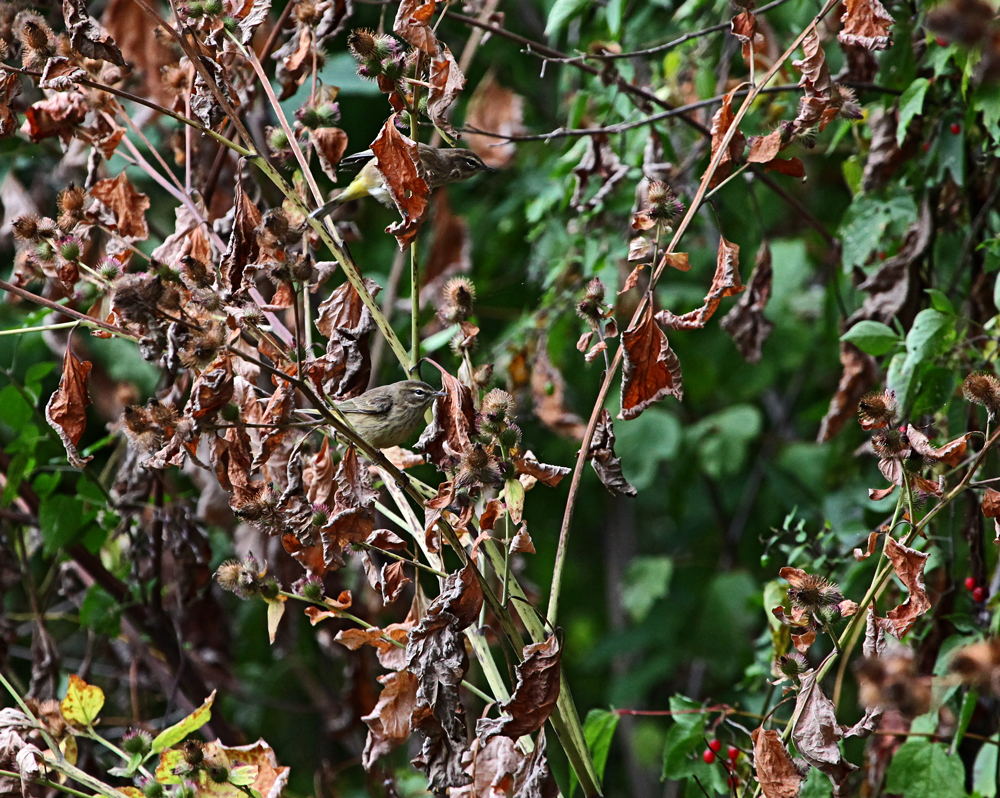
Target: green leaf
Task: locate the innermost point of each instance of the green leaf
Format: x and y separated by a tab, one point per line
100	612
243	775
14	408
614	12
911	104
514	497
646	581
561	13
927	337
939	301
969	701
936	388
83	702
869	219
599	731
872	337
20	464
169	762
816	785
986	99
183	728
921	769
984	770
684	738
646	442
60	518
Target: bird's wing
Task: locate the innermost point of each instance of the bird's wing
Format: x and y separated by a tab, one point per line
369	406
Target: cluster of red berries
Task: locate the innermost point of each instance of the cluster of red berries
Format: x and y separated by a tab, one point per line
978	591
732	753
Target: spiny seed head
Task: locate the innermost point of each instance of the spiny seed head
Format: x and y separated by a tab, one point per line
229	24
365	45
252	317
218	773
192	11
308	13
213	7
26	227
663	203
792	664
511	437
983	389
137	741
277	139
34	34
310	586
109	269
459	296
321	515
196	271
477	467
230	412
194	752
71	199
891	443
814	593
69	248
498	406
164	416
151	788
242	577
844	100
482	376
395	68
45	252
877	409
591	307
328	113
308	117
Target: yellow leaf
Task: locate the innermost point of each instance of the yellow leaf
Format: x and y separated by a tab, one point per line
82	703
275	609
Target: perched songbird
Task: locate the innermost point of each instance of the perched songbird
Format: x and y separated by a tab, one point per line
390	414
438	166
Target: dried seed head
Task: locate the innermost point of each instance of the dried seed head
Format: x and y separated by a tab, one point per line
145	434
497	408
482	376
196	272
27	227
459	296
877	409
591	307
477	467
203	346
135	296
261	509
242	577
814	593
843	99
71	199
36	39
983	389
663	203
164	416
308	13
891	443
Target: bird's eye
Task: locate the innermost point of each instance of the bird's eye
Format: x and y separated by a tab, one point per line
420	393
472	163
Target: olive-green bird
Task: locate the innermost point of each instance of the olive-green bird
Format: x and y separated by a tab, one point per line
439	166
390	414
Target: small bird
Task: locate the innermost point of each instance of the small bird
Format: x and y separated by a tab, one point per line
389	414
438	166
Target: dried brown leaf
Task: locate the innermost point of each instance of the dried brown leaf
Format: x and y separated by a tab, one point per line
330	143
128	207
86	36
550	475
412	23
66	408
746	323
142	48
950	454
449	433
650	370
776	772
909	566
446	81
860	373
604	460
534	698
389	722
494	109
721	123
816	734
242	247
726	282
866	23
398	159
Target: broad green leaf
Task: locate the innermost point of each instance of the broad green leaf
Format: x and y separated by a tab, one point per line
684	738
646	581
922	769
614	12
723	439
561	13
984	770
911	104
599	731
19	465
100	612
939	301
82	703
872	337
969	701
869	219
60	519
928	335
183	728
936	388
816	785
14	408
986	99
243	775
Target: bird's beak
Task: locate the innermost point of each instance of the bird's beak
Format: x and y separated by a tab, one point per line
440	393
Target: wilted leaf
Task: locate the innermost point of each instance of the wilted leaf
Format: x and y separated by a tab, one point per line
860	374
243	247
776	772
389	655
721	123
344	370
950	454
10	87
548	392
866	23
411	23
726	282
604	460
650	370
816	734
494	109
275	611
746	323
128	207
534	698
909	566
389	722
86	36
191	723
83	702
446	81
550	475
397	159
448	434
66	409
330	143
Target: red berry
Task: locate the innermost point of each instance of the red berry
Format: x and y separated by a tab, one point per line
734	753
941	41
978	594
715	745
955	128
970	583
708	756
927	146
882	255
